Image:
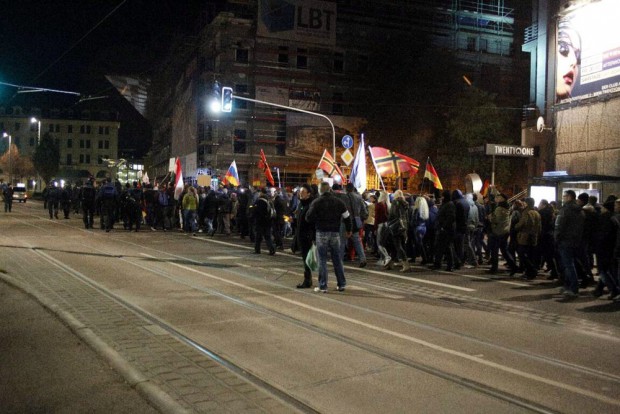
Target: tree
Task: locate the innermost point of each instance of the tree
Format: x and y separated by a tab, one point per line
16	165
472	121
46	158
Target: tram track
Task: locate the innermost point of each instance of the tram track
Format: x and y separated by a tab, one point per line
188	262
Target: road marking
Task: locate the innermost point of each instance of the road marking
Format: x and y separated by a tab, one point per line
506	282
421	342
409	278
223	257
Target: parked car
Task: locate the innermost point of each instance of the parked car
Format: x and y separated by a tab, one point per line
19	193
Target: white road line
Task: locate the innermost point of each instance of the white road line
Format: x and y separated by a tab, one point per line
421	342
409	278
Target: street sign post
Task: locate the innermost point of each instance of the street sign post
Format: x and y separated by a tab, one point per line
347	142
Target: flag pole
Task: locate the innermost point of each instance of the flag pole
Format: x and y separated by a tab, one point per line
376	169
428	158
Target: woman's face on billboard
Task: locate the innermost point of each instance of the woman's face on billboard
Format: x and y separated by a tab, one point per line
568	61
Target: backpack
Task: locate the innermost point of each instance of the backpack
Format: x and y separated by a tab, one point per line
271	209
108	192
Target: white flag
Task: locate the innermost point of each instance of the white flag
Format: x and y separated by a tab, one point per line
358	172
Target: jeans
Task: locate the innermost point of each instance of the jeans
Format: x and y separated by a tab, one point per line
497	244
357	243
385	255
330	242
567	254
263	232
189	220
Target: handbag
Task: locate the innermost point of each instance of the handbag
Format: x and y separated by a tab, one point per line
312	258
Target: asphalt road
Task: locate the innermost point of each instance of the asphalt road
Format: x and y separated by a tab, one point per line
215	328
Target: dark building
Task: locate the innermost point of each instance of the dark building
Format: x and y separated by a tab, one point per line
330	57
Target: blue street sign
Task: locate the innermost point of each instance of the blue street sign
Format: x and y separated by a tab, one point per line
347	141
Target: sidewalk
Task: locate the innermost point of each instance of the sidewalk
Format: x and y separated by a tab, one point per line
46	368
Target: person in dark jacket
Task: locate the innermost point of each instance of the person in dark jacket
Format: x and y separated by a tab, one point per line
615	221
445	230
305	232
460	234
87	200
7	194
398	223
65	200
52	198
546	247
263	218
108	198
604	239
568	233
327	212
242	212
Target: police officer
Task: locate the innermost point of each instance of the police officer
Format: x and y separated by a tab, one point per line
52	198
108	198
87	199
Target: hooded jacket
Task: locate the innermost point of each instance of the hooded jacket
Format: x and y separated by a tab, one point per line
462	211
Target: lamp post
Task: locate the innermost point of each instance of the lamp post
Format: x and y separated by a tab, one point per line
38	122
4	135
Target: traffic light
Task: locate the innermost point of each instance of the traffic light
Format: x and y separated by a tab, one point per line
215	98
227	97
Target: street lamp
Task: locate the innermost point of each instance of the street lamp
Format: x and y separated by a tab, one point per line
38	122
4	135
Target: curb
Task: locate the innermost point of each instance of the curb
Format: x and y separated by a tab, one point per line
152	393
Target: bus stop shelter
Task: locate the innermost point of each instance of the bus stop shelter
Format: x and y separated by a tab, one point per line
551	185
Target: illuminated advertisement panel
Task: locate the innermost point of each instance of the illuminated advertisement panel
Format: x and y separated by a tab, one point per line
309	21
588	51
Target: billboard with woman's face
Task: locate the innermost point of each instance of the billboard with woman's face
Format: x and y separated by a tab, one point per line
588	51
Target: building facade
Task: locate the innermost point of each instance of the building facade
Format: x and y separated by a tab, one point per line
575	90
315	56
85	138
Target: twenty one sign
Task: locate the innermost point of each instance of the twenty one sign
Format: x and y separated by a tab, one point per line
510	150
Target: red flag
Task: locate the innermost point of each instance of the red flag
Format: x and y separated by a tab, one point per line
178	179
431	174
328	164
388	162
262	164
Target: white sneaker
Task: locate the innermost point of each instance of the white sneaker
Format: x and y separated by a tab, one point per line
318	289
388	263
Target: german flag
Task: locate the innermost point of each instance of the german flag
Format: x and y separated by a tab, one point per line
388	162
431	174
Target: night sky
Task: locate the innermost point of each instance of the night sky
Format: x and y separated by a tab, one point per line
131	40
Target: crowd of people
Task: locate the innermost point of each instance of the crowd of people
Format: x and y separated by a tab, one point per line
565	241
